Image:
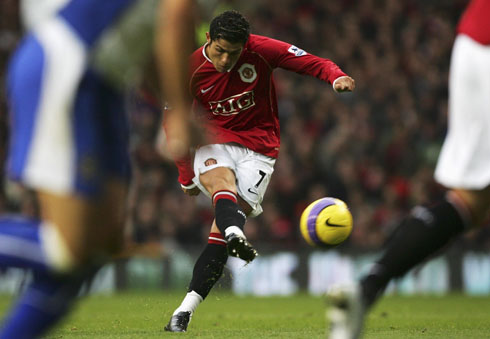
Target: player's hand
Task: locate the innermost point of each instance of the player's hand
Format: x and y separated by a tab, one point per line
175	139
191	191
344	84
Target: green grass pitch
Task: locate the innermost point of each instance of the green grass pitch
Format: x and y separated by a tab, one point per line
223	315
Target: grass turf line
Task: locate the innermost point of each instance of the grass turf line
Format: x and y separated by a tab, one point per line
223	315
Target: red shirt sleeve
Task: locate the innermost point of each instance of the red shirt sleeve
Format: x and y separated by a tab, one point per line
475	21
186	172
284	55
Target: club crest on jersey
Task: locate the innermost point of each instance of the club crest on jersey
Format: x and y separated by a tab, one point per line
247	73
296	51
233	105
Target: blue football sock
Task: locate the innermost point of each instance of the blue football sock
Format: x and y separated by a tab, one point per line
20	244
45	301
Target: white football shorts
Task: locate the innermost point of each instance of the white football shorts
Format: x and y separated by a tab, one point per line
253	170
464	161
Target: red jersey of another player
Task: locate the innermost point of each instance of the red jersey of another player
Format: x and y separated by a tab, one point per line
241	105
475	21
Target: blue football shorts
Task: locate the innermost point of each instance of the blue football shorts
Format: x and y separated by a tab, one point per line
68	131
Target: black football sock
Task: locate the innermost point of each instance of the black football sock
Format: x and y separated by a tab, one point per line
227	211
209	267
424	232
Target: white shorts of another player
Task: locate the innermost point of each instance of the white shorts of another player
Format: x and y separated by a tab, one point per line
464	161
252	170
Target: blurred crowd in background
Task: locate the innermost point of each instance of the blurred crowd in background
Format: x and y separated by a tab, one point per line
375	148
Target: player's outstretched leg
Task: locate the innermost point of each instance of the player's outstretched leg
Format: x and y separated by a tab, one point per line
32	244
423	233
230	220
207	271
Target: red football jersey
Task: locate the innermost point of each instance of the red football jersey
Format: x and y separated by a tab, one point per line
475	21
241	105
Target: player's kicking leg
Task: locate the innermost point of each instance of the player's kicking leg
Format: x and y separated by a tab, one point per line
230	214
420	235
207	271
230	220
226	238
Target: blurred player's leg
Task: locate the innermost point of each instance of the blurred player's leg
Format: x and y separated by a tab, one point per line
57	252
31	316
45	301
419	236
424	232
20	244
346	312
88	226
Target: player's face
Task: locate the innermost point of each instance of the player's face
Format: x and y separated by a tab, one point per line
223	54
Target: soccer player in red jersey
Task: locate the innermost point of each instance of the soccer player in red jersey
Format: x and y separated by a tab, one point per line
463	167
235	101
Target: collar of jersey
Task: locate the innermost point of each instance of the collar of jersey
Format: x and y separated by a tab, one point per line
204	52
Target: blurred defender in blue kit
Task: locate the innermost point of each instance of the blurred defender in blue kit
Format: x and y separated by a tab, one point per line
68	138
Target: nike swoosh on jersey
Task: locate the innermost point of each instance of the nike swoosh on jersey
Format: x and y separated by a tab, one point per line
333	225
206	90
250	190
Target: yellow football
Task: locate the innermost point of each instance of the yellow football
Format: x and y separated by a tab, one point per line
326	222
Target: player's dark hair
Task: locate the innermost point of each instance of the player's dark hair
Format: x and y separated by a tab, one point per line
230	26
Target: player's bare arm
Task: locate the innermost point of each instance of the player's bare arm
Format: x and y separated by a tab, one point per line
174	37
